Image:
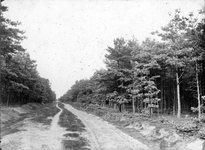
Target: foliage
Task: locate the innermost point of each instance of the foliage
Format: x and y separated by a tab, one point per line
201	133
151	74
20	81
187	127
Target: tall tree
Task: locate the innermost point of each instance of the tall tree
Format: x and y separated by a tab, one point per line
178	50
19	77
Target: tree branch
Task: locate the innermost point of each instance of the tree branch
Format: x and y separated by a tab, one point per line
181	75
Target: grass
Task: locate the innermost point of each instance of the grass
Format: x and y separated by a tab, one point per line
36	112
75	145
74	135
8	130
167	122
72	124
42	113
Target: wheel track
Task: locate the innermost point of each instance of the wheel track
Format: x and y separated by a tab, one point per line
103	135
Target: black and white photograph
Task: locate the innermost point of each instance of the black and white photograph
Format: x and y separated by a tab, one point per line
102	74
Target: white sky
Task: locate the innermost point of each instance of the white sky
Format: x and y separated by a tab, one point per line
68	38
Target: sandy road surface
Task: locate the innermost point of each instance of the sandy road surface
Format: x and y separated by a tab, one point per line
100	135
35	136
104	136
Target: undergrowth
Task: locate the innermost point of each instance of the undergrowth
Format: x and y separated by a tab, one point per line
42	113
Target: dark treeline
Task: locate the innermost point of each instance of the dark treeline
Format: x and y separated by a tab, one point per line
167	75
20	81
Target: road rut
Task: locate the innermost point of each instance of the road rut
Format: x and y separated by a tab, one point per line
104	136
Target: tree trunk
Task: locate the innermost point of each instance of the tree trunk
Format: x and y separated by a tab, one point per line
122	107
178	96
119	107
138	106
8	98
174	102
164	98
157	109
133	105
115	106
150	111
198	93
163	102
162	95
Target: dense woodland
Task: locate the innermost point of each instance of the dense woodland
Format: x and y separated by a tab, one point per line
154	76
20	80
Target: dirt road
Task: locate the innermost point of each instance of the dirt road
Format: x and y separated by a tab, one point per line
99	135
35	136
104	136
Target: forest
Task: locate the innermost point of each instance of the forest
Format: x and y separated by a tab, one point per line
152	76
20	80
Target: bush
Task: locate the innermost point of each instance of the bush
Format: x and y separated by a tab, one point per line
163	120
188	127
100	112
202	119
201	133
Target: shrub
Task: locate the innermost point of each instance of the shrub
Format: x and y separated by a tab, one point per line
188	127
201	133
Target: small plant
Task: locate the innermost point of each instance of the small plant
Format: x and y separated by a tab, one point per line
201	133
195	120
188	127
202	119
163	120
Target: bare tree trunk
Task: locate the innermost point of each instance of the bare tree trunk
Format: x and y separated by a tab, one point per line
133	105
104	103
150	111
8	98
122	107
162	95
178	96
140	105
115	106
164	99
174	102
198	93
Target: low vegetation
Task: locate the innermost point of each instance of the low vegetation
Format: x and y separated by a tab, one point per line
163	131
44	113
73	139
13	117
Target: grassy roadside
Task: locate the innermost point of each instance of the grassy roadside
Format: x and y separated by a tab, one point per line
43	112
156	132
35	112
114	120
11	126
73	139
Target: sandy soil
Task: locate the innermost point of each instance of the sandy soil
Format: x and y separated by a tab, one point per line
100	135
104	136
35	136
